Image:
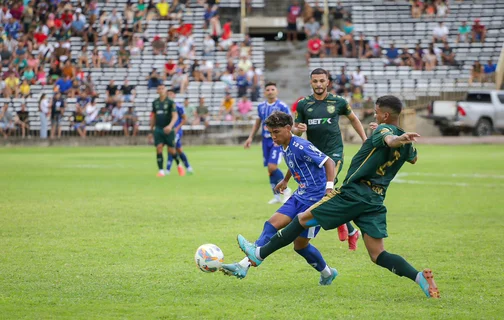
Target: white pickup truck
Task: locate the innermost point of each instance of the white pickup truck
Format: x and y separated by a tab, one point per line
481	113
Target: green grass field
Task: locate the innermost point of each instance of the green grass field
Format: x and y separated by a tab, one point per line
91	233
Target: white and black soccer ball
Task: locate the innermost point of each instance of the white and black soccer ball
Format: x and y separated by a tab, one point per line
209	258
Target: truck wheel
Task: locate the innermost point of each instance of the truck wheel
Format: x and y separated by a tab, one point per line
483	128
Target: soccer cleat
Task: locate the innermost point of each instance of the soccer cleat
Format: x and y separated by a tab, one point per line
286	195
343	232
190	171
181	171
426	282
234	269
352	241
160	174
274	200
327	281
249	250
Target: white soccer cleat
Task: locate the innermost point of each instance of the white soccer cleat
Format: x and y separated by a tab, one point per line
286	195
275	200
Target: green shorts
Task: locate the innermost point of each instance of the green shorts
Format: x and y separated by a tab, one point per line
340	207
162	138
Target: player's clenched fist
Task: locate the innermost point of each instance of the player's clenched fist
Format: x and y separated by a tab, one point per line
281	186
302	127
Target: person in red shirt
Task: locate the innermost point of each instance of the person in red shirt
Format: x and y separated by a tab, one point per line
226	41
315	48
170	68
295	104
478	31
293	12
67	19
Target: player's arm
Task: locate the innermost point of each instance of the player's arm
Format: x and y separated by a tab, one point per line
250	138
174	119
282	185
357	125
330	170
182	122
299	120
152	118
394	141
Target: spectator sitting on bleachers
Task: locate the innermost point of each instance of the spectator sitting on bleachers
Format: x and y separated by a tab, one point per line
108	57
225	40
358	79
315	48
416	9
78	122
103	121
201	114
64	84
96	58
90	34
210	12
180	82
440	33
124	57
478	31
226	111
118	114
245	64
206	69
25	89
254	78
307	12
92	111
365	51
58	107
448	56
418	57
12	28
159	46
406	58
170	68
11	86
196	71
476	73
463	33
233	51
128	92
227	78
242	83
29	75
442	8
83	100
430	60
41	76
176	10
293	12
489	71
349	36
208	46
131	121
78	26
244	108
393	56
112	91
5	55
311	27
6	121
430	10
357	98
342	81
163	8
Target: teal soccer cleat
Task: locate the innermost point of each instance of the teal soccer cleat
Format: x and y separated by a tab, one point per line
327	281
235	269
426	282
249	250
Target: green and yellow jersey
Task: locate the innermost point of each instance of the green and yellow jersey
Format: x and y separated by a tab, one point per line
321	118
375	165
163	111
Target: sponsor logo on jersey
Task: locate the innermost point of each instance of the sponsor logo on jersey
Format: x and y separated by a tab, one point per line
319	121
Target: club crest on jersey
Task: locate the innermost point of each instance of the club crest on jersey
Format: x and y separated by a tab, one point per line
331	108
310	109
291	164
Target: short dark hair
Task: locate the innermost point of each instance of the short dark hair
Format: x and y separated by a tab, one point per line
278	119
270	83
171	90
319	71
391	102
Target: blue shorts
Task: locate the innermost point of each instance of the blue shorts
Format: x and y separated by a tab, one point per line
178	139
292	208
271	153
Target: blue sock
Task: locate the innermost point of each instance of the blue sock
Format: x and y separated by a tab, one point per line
184	160
268	232
313	257
275	177
169	162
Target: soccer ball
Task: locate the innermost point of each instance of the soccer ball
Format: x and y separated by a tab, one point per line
209	258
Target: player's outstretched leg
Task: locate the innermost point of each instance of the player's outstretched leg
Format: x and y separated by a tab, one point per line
159	158
315	259
183	156
398	265
180	168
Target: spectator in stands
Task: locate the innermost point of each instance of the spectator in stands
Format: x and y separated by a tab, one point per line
358	79
336	35
196	71
242	83
349	36
68	69
226	111
430	10
463	33
318	12
244	108
78	122
342	81
22	120
176	10
245	64
315	48
170	68
83	99
128	92
311	27
5	55
208	46
124	58
131	121
406	58
201	114
347	96
78	26
6	121
440	33
180	82
442	8
90	35
112	91
357	98
41	76
476	73
307	12
11	86
215	28
233	51
43	106
393	56
163	8
368	114
103	121
207	70
25	89
12	28
58	107
108	57
83	57
96	58
118	115
293	12
64	84
478	31
416	9
430	60
226	41
448	56
92	111
338	16
159	46
209	14
217	71
489	70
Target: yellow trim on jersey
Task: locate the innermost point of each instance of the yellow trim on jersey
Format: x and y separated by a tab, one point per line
336	168
367	158
326	198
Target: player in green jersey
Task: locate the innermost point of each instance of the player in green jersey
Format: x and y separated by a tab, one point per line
163	118
361	197
318	115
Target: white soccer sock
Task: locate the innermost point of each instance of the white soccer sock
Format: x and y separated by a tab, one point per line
417	279
352	233
326	272
277	196
244	263
258	253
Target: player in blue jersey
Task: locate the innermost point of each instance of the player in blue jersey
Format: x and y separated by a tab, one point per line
315	173
182	119
271	152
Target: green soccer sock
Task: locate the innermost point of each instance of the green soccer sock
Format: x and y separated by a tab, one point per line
282	238
160	161
396	264
350	228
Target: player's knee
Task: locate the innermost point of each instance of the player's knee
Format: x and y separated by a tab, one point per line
272	168
374	255
179	150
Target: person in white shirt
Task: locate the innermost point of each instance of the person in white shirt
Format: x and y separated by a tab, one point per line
358	79
118	114
92	111
43	114
442	8
244	63
440	33
208	46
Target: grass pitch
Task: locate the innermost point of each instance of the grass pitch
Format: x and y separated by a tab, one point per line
91	233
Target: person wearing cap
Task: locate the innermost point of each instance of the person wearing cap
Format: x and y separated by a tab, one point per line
478	31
